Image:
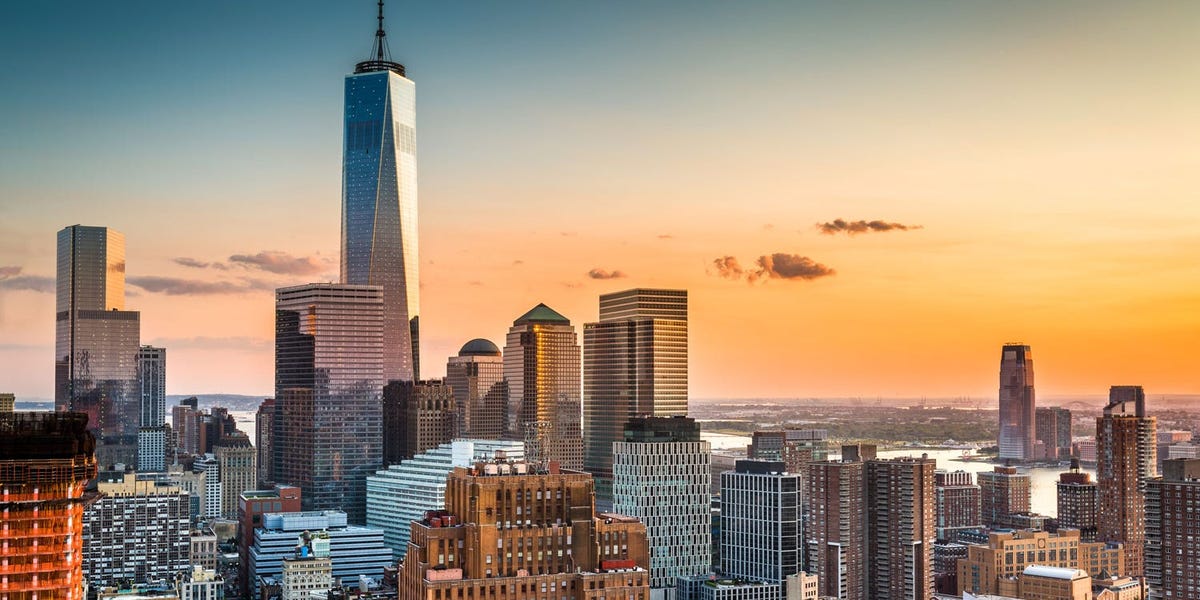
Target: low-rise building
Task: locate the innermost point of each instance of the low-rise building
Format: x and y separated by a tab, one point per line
354	550
989	566
1055	583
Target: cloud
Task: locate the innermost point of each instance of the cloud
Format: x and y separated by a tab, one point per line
190	262
788	266
665	236
602	274
280	262
175	286
727	267
11	279
517	263
837	226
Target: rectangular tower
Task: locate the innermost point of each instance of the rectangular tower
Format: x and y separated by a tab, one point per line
1003	493
958	503
328	437
1172	543
1018	430
635	363
379	201
96	340
836	528
152	381
1126	448
476	376
417	416
900	528
1077	502
761	530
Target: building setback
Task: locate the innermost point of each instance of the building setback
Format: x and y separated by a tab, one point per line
139	530
476	377
1017	404
1125	462
1172	531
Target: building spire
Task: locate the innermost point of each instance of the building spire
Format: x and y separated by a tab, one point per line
380	37
381	59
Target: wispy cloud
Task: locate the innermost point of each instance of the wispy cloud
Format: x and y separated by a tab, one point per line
727	267
779	265
837	226
11	279
603	274
280	262
665	236
176	286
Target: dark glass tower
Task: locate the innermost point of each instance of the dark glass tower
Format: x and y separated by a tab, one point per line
1018	428
379	200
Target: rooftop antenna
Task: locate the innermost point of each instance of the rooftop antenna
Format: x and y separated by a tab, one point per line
381	59
381	37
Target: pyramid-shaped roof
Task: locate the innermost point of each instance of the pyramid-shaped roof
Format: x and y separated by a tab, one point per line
542	314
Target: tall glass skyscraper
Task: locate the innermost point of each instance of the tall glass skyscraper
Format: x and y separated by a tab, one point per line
1018	428
96	340
379	200
541	364
328	432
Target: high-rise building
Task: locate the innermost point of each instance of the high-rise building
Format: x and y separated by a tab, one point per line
153	448
252	505
511	531
8	403
328	435
761	530
138	531
1017	404
235	459
353	550
900	528
1125	461
379	200
1077	502
96	340
211	498
263	424
1003	492
957	502
1172	533
664	458
795	447
995	567
836	528
476	377
1053	424
185	424
152	381
635	363
401	493
48	460
417	416
541	364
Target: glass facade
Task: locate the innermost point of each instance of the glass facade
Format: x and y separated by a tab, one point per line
476	376
1018	428
635	363
541	364
97	341
328	432
152	375
379	207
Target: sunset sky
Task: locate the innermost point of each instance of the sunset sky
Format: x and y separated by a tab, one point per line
1042	158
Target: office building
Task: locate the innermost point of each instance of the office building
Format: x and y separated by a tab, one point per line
252	505
97	340
635	363
1003	493
264	422
957	503
235	462
900	527
152	382
8	403
1053	425
353	550
1039	582
1173	532
476	376
152	448
401	493
138	530
1077	502
836	528
992	566
417	416
512	531
1125	460
379	202
761	530
48	460
541	364
328	385
710	587
661	476
1017	404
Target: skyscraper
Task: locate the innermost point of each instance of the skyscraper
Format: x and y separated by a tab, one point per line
328	385
48	460
836	528
662	475
96	340
635	363
541	364
1018	429
1172	543
137	530
417	416
379	200
900	528
152	381
235	459
263	426
1126	446
761	531
476	377
1053	424
1003	493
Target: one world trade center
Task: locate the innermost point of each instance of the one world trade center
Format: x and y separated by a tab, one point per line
379	200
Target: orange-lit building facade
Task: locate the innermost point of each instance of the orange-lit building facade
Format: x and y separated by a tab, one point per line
46	460
509	533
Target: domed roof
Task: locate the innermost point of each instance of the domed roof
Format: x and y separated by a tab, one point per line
479	347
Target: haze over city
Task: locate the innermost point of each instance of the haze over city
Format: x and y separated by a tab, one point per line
859	203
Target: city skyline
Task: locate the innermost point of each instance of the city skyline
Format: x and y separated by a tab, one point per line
1067	151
